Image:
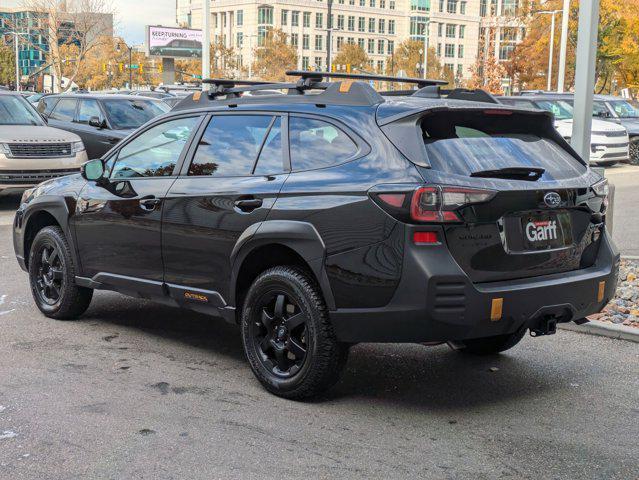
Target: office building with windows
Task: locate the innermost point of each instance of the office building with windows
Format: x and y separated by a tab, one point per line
377	26
32	44
455	27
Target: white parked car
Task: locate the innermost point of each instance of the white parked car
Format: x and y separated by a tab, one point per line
609	142
30	151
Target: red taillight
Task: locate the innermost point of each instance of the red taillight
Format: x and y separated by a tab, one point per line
438	204
425	238
393	199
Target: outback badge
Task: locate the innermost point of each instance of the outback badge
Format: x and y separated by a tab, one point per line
552	199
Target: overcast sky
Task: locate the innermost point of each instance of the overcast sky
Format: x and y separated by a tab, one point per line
133	15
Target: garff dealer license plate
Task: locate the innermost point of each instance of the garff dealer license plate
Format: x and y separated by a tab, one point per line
546	231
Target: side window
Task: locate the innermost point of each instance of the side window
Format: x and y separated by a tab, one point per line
46	104
317	144
64	110
88	109
155	152
230	145
271	161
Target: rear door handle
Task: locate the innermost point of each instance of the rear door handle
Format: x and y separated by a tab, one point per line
249	204
149	203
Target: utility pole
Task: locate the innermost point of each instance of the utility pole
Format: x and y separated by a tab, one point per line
585	76
329	32
206	42
561	74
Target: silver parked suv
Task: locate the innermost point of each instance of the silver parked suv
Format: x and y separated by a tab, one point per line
30	151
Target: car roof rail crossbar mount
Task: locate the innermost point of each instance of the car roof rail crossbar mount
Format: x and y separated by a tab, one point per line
314	75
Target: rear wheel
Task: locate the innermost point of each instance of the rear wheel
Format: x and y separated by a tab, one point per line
491	345
52	276
287	336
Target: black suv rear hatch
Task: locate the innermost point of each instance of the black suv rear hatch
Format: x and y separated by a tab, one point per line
543	217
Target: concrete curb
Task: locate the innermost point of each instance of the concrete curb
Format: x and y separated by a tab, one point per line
604	329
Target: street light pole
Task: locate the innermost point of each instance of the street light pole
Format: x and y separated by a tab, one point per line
206	42
426	32
561	74
329	31
552	51
130	67
15	41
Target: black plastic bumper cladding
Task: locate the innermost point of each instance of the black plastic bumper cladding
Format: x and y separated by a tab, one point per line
435	300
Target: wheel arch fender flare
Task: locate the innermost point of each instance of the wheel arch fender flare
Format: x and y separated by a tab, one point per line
60	210
301	237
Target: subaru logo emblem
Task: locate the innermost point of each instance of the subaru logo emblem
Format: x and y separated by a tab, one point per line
552	199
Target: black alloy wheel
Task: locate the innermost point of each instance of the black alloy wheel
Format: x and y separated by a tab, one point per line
279	333
50	273
287	334
52	276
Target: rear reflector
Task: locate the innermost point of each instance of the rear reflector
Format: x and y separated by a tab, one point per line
496	309
425	238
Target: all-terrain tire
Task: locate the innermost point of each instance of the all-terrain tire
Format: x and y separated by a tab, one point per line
52	276
324	357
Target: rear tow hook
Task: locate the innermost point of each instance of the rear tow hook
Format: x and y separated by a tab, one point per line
545	326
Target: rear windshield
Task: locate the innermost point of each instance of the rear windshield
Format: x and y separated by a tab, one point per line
128	114
467	145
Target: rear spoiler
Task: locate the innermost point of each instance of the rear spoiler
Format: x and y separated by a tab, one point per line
404	130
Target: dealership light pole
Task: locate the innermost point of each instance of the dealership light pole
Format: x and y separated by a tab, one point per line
551	51
561	75
585	76
206	42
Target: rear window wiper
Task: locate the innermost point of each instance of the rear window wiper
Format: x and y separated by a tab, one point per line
513	173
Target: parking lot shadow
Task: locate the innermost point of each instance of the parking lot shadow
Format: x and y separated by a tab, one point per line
408	375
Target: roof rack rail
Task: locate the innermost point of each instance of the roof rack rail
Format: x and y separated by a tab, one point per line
420	82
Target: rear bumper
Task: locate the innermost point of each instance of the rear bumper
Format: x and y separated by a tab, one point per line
435	300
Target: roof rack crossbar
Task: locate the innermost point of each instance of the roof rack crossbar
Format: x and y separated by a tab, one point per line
318	76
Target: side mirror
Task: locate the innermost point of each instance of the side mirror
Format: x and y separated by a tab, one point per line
96	122
93	170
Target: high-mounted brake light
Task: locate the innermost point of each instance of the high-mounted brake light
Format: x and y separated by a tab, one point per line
439	204
498	112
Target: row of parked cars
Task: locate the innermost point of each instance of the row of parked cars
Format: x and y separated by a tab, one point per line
615	126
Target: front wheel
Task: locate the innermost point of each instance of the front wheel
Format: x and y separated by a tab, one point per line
287	336
52	277
491	345
634	150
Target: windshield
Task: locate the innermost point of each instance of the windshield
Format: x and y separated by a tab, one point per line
15	110
127	114
561	109
624	109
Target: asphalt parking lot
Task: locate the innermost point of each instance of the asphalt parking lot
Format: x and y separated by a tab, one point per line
135	390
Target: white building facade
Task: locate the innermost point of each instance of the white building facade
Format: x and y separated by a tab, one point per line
378	26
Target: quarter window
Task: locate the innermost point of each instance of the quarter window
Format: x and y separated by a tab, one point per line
318	144
64	110
230	145
154	153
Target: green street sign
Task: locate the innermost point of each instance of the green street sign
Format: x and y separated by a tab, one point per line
134	66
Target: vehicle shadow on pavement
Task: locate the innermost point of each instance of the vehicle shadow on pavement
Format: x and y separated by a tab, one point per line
438	378
409	375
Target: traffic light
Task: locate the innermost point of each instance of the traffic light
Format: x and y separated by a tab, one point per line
121	67
160	67
348	68
141	68
104	68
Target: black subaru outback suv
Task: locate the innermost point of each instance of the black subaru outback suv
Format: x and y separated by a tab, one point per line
330	216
